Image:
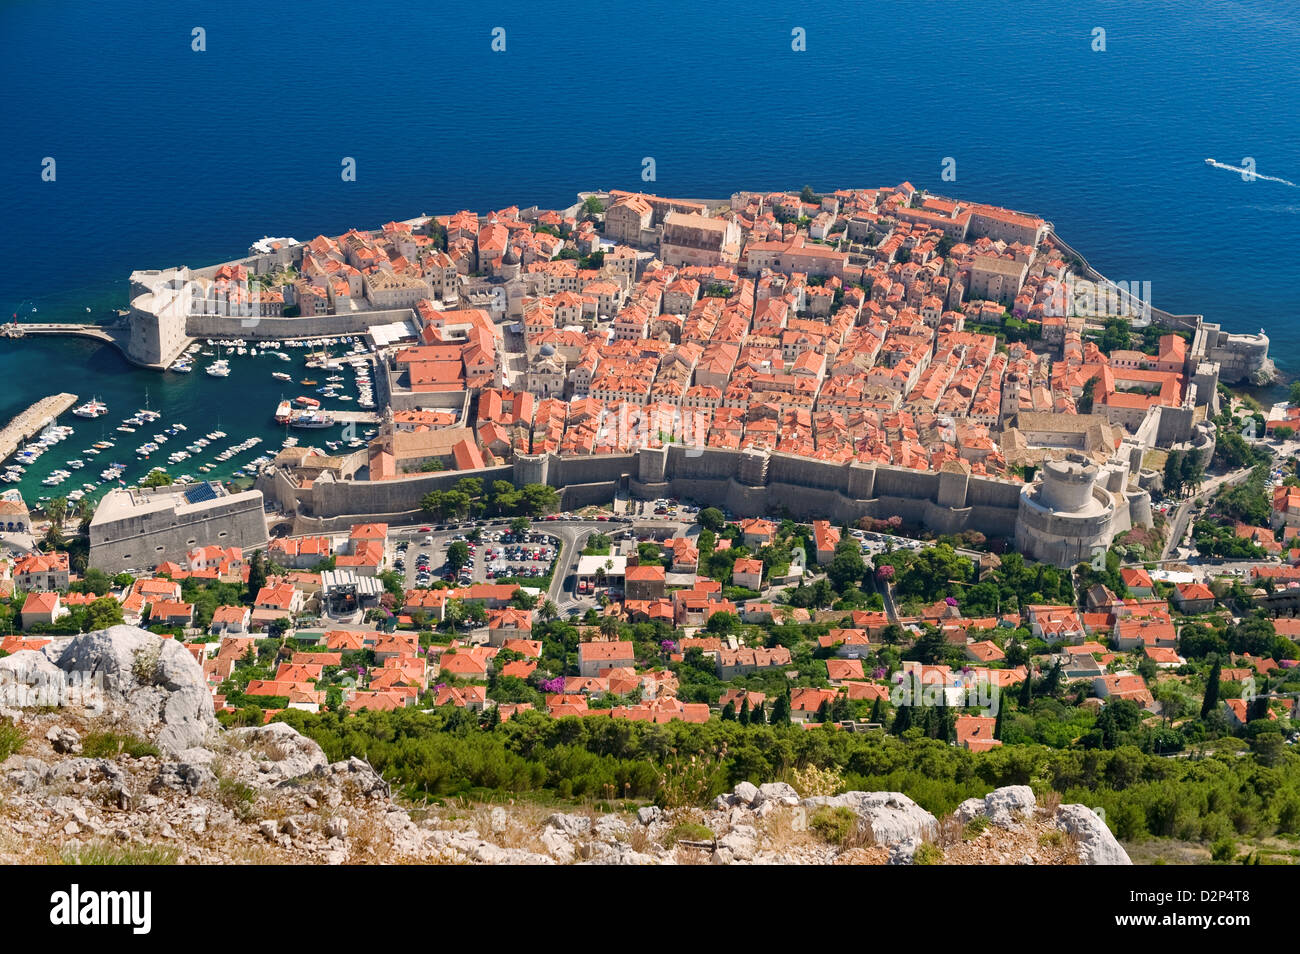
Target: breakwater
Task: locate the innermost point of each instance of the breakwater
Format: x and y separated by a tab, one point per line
32	421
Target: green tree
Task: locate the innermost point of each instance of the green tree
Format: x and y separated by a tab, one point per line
520	525
711	518
103	613
256	575
847	567
1174	474
156	478
57	511
457	555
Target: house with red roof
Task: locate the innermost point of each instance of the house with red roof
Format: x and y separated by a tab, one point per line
508	623
825	539
748	573
1192	598
42	606
595	657
233	620
975	733
42	571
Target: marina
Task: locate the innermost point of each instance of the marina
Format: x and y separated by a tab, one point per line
176	421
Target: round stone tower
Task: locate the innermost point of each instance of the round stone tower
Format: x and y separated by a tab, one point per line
1065	517
1067	484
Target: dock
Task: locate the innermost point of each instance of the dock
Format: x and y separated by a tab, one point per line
32	421
355	417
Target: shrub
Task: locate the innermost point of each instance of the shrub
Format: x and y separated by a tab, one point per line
108	745
975	827
835	825
105	854
144	665
927	854
810	781
12	739
688	831
238	797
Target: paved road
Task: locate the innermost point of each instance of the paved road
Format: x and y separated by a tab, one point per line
1181	516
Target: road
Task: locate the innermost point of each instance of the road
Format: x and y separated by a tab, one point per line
1179	526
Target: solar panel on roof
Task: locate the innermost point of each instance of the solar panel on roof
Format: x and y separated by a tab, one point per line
200	493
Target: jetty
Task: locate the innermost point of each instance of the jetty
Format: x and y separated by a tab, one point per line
32	421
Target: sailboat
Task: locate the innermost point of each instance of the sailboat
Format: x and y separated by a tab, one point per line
219	368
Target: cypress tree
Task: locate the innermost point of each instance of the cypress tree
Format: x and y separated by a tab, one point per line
757	716
1027	690
781	710
824	712
997	726
744	711
1053	680
729	712
877	711
1211	690
902	720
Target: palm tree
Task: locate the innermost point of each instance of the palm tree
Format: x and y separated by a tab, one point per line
608	627
548	611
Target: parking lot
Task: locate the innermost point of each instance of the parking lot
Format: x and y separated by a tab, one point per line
497	554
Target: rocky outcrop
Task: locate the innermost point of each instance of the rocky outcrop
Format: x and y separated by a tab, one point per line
892	817
267	794
151	685
1097	846
1004	807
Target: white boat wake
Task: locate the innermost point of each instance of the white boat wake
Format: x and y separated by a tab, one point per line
1243	170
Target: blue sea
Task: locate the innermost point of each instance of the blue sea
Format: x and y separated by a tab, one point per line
164	155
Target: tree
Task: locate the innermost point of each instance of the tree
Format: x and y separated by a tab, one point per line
519	526
1084	404
156	478
711	518
1211	700
729	712
824	711
457	555
877	711
723	624
103	613
592	206
548	611
1174	474
57	511
847	567
902	720
256	575
608	627
807	195
744	710
781	710
1027	690
997	725
757	715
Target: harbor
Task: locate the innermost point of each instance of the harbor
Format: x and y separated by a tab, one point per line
211	416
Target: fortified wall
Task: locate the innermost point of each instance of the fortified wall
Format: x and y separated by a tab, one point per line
749	483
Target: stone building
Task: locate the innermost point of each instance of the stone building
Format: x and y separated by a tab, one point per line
137	529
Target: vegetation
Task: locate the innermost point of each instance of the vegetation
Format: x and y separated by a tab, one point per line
470	498
445	753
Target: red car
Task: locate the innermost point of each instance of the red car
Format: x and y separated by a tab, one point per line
426	529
